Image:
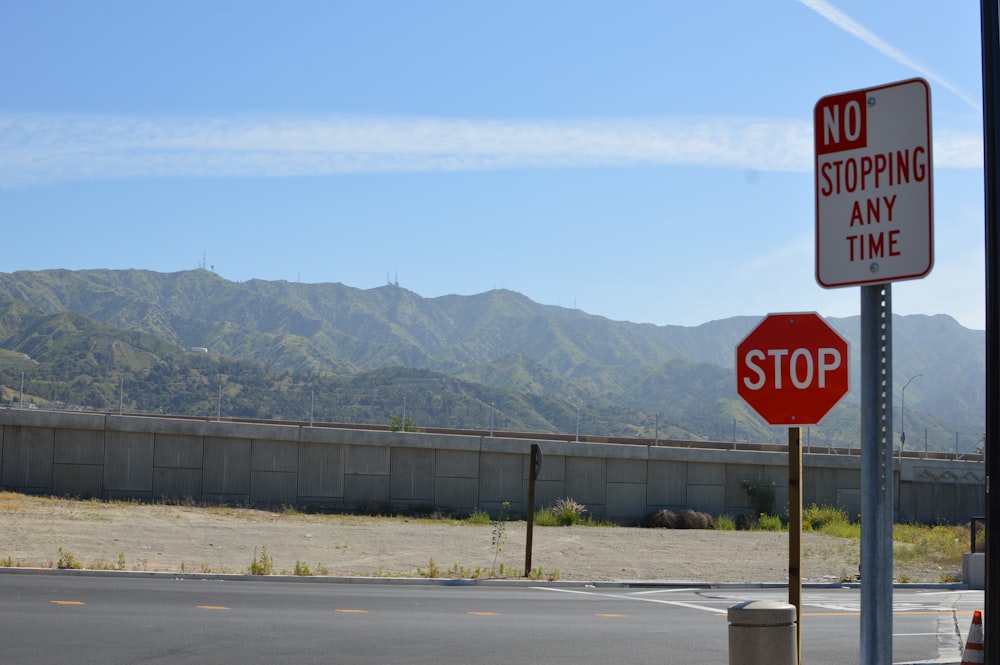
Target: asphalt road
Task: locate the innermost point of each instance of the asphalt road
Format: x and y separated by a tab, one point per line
59	617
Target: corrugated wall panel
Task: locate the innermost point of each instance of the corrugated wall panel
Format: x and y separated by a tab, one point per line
363	491
706	498
586	480
667	484
85	481
171	483
174	451
625	501
707	473
75	446
500	477
27	459
457	494
553	467
227	468
412	476
321	471
850	502
456	463
625	470
274	456
547	492
273	487
372	460
128	462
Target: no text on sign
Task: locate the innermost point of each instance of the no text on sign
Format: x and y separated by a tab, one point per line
874	195
792	368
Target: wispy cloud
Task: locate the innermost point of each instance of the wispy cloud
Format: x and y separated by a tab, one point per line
848	24
45	149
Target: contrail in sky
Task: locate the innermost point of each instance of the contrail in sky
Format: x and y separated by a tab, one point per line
40	149
848	24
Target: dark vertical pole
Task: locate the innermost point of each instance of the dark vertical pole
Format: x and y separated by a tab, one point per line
795	530
536	467
991	127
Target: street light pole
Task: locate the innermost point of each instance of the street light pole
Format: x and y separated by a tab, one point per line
902	418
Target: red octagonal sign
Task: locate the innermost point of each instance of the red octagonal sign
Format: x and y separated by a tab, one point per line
792	368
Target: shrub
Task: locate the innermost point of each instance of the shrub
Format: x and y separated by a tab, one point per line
479	517
829	521
545	517
686	519
68	561
817	518
432	570
769	523
499	533
397	424
937	545
725	523
568	511
762	494
659	519
693	519
262	566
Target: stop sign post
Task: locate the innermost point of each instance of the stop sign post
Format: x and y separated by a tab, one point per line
792	368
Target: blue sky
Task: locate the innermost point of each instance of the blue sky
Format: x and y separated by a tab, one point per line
643	161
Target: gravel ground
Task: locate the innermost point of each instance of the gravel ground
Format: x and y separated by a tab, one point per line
227	540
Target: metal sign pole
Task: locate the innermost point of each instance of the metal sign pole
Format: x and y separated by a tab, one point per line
876	474
990	16
536	467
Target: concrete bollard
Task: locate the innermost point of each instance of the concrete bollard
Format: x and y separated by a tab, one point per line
762	632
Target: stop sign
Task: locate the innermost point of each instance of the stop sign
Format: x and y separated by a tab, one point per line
792	368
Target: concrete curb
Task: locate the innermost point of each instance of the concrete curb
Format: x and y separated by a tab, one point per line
447	581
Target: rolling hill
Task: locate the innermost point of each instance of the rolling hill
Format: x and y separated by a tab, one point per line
134	339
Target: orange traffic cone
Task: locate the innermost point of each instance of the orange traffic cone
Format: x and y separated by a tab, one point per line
974	643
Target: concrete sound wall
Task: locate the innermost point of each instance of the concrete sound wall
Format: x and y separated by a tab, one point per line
113	457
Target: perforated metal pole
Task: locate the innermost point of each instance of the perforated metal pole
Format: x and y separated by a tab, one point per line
876	474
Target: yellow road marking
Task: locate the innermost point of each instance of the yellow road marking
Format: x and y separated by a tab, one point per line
353	611
211	607
483	614
610	615
66	602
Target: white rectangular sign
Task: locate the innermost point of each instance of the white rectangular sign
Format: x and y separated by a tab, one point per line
874	198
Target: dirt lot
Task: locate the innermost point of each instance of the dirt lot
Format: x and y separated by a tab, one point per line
224	540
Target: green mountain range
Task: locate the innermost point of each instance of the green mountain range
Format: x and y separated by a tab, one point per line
193	343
